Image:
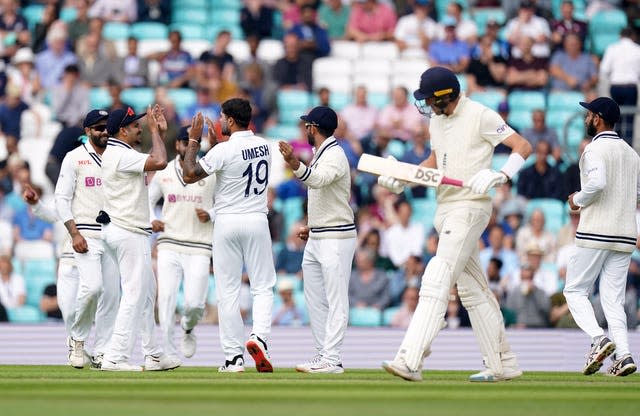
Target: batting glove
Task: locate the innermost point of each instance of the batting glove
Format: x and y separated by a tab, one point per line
486	179
391	184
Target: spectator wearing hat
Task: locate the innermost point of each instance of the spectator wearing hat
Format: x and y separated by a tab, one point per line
530	303
23	75
466	29
371	20
567	24
450	52
51	62
571	69
334	15
541	180
533	234
314	39
289	313
527	25
416	30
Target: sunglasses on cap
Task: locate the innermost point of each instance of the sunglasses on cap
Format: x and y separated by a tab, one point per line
307	125
101	127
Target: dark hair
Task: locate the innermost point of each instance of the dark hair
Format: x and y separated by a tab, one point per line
71	69
627	32
238	109
325	132
496	261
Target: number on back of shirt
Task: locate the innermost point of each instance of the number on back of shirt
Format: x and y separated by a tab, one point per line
261	176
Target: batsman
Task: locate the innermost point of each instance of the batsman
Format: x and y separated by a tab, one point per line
464	134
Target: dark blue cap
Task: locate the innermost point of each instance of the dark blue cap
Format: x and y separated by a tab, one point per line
121	118
323	117
94	116
183	133
605	107
436	82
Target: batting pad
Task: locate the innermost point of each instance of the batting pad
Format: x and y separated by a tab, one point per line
428	318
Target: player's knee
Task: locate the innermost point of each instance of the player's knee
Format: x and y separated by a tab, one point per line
436	280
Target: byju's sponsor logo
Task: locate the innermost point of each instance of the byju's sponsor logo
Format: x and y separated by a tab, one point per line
171	198
91	181
184	198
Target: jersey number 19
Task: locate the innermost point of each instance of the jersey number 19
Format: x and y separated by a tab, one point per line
261	177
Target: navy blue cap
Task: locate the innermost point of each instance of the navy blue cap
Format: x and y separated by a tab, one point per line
437	81
183	133
94	116
121	118
605	107
323	117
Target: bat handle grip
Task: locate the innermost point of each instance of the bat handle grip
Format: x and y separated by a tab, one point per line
450	181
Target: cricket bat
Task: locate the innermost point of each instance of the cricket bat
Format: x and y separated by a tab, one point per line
405	171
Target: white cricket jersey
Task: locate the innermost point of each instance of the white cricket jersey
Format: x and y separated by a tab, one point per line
610	187
50	214
183	231
329	181
78	193
124	182
464	143
242	166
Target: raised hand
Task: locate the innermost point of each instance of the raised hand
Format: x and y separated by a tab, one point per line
197	123
158	113
152	123
212	136
29	195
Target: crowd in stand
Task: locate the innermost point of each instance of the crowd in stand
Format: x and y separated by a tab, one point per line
51	68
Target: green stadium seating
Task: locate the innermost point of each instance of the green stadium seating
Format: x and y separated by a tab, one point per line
489	98
388	314
149	30
190	31
282	132
25	315
365	317
189	16
139	98
182	98
99	98
115	31
292	104
526	100
424	210
554	212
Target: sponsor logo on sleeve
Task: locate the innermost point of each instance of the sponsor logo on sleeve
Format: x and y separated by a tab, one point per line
501	129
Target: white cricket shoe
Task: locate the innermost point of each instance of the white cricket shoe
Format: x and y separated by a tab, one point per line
600	350
188	345
234	366
257	348
304	367
400	369
622	367
121	366
160	362
489	376
326	367
96	361
76	353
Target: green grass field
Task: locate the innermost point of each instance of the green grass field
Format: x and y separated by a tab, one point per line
59	390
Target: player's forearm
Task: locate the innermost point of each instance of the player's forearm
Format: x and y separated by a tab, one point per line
45	212
191	169
71	228
158	149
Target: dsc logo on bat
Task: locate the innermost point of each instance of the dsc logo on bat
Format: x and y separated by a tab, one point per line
427	176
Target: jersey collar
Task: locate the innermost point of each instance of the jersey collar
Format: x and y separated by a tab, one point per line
609	134
241	133
92	152
117	142
178	169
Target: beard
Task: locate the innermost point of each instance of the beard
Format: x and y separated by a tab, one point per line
310	139
99	141
224	128
591	130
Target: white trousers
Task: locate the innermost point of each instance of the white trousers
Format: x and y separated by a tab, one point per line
98	294
582	271
326	269
242	239
66	292
173	267
136	312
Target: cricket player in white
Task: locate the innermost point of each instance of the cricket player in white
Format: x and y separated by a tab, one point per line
463	136
126	232
241	231
331	235
79	198
606	236
184	246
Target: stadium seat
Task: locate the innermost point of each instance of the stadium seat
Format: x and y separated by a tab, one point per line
330	66
396	148
190	31
239	49
520	119
196	46
225	4
25	315
68	14
212	31
378	99
225	17
564	101
482	15
139	98
424	210
189	4
375	82
291	103
149	30
182	98
211	293
99	98
554	212
526	100
337	100
291	211
33	14
380	50
38	274
388	314
406	81
364	316
282	132
189	15
489	98
601	41
498	160
608	21
270	50
346	49
409	67
463	82
115	31
372	66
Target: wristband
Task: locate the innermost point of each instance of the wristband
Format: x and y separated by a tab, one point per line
512	165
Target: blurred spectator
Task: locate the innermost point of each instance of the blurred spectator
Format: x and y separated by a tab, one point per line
205	104
371	20
456	316
360	116
95	67
115	91
256	19
399	120
572	173
534	235
80	25
177	67
500	46
416	30
293	71
219	54
527	72
70	99
107	47
630	307
50	14
334	15
13	293
541	180
23	75
324	96
509	262
10	112
253	43
527	25
497	285
154	11
410	275
134	69
373	241
290	10
289	260
487	69
32	236
275	218
352	150
13	26
368	286
402	317
49	303
288	314
572	69
620	66
506	195
539	131
531	304
416	153
466	29
567	233
209	75
262	95
566	25
405	237
559	314
51	62
314	39
450	52
125	11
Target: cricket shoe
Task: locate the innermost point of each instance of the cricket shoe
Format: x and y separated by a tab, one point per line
510	370
160	362
96	361
600	350
622	367
236	365
257	348
77	355
326	367
304	367
120	366
188	344
399	368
